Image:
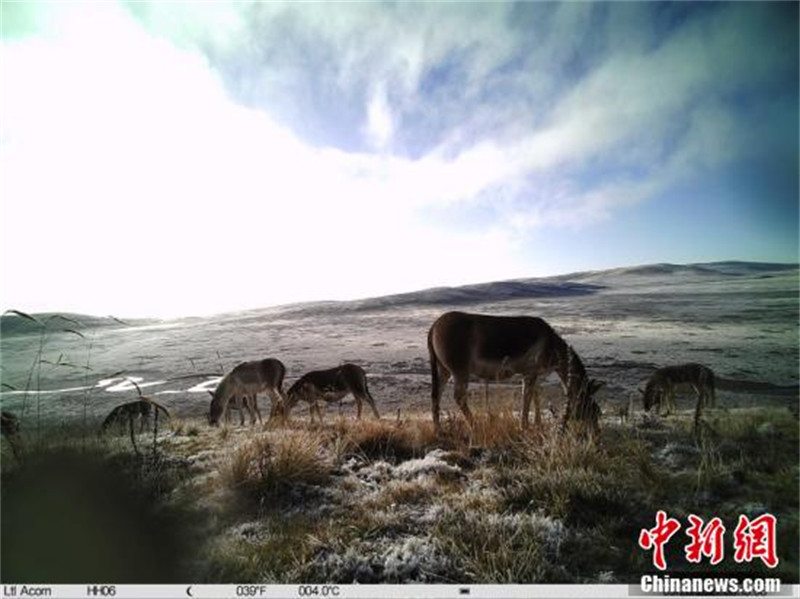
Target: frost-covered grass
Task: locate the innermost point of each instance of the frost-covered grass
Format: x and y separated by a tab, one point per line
391	501
496	504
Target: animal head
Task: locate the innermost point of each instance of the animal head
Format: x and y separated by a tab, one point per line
587	409
585	394
593	418
301	389
215	409
279	410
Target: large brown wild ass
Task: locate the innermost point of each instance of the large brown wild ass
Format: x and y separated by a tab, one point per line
331	385
660	389
243	384
498	347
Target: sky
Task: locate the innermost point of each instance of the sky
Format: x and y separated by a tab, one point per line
175	158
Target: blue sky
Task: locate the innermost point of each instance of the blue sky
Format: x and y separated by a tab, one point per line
188	158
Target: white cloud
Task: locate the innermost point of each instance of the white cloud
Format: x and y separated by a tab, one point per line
380	125
126	159
133	184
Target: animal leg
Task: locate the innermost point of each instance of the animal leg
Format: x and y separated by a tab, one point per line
698	390
664	400
277	405
358	405
527	395
255	407
460	395
567	415
249	402
319	411
226	408
371	401
440	377
241	403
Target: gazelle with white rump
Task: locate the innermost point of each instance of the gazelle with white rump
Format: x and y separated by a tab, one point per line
498	347
243	384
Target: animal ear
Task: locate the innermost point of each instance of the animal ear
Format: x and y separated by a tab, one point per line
640	390
211	393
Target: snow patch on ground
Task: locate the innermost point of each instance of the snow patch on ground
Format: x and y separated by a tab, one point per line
432	463
401	560
380	472
677	456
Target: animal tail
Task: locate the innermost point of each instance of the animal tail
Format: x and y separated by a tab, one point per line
434	365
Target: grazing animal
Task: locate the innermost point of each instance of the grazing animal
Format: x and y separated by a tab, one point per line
498	347
331	385
130	411
9	428
660	389
243	384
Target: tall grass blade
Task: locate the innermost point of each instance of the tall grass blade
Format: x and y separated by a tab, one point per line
25	316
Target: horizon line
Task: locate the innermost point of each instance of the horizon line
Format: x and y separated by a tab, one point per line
6	312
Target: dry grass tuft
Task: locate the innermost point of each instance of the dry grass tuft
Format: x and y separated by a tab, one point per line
383	440
266	467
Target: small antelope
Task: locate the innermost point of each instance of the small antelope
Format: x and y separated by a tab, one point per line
130	411
497	347
331	385
243	384
660	389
